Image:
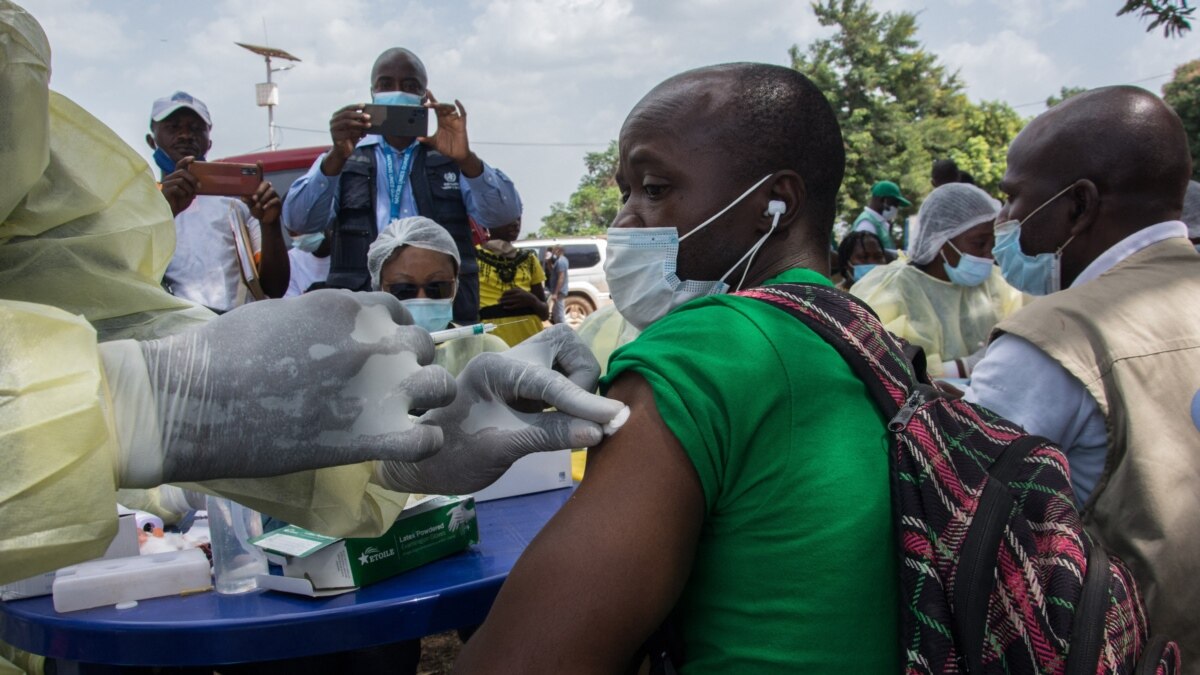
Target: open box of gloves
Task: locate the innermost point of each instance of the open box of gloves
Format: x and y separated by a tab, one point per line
429	528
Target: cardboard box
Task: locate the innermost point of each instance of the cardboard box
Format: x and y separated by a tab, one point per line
535	472
315	565
123	545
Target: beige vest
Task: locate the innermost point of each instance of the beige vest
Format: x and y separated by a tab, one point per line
1132	337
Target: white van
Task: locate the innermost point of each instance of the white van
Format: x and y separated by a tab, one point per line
587	290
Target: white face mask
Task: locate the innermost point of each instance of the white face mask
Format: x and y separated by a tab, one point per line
970	271
889	214
641	263
430	314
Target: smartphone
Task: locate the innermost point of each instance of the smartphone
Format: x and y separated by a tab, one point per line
398	120
225	179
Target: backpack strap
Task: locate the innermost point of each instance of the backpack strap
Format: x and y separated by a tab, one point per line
876	356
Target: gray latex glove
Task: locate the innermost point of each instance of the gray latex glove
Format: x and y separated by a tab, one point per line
485	434
276	387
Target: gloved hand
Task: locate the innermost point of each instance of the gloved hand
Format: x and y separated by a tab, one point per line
276	387
484	434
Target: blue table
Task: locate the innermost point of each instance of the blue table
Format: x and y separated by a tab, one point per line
210	629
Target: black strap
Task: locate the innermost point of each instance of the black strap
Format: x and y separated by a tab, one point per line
1087	627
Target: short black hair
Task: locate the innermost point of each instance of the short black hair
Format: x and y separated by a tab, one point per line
945	171
783	121
846	249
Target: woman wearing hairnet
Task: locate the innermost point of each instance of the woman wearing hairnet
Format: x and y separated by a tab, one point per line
416	260
948	295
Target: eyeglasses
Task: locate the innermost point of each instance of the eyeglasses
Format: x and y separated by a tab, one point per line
434	290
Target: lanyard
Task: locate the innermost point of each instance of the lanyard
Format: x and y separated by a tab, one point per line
396	178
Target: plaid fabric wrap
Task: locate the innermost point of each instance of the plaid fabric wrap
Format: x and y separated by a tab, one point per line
990	583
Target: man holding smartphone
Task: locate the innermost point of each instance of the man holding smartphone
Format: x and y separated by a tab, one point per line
371	177
211	255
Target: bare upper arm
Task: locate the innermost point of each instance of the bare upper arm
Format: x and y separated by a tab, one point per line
607	569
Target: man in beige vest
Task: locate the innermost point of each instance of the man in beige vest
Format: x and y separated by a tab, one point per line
1108	364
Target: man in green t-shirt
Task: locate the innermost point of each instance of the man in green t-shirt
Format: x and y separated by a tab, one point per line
746	499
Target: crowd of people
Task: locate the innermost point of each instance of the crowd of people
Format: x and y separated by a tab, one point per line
746	502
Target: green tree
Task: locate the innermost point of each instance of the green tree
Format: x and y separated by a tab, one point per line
1062	95
899	108
1173	15
1183	94
594	204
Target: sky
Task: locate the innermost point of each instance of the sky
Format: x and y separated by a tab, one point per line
543	81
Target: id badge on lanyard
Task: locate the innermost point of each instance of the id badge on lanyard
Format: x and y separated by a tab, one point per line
396	177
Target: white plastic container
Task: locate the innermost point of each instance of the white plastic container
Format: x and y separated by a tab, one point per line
118	580
236	562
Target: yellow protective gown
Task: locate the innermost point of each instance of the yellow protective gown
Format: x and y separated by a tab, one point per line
84	239
947	320
602	331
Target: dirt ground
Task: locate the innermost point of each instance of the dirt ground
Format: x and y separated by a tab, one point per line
438	653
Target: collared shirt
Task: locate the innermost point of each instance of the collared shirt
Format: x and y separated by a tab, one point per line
1018	381
205	267
491	198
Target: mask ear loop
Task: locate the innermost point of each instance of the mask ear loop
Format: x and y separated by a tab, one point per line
731	204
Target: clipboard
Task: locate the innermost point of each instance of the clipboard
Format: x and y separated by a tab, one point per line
245	253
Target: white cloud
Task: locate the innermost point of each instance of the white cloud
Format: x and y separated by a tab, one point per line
1033	16
545	71
76	28
1006	66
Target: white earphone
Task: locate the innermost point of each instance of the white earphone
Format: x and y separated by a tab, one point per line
775	207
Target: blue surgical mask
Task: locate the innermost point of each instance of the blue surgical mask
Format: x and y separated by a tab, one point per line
1036	275
430	314
308	242
857	272
640	268
164	162
970	271
396	98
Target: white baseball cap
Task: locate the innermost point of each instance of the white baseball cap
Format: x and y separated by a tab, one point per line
163	107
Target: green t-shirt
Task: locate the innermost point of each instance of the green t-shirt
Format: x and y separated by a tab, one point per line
795	570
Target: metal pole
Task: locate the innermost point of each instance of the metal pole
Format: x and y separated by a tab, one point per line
270	112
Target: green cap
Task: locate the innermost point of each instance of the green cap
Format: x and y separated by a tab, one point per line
886	188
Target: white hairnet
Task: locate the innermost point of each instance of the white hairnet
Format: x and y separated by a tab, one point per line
418	231
947	212
1191	210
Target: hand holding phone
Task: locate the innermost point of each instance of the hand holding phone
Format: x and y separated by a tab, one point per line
398	121
179	186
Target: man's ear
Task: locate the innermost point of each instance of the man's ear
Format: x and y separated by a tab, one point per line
150	141
208	147
787	187
1085	206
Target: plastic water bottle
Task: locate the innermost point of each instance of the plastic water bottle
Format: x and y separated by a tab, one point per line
236	562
